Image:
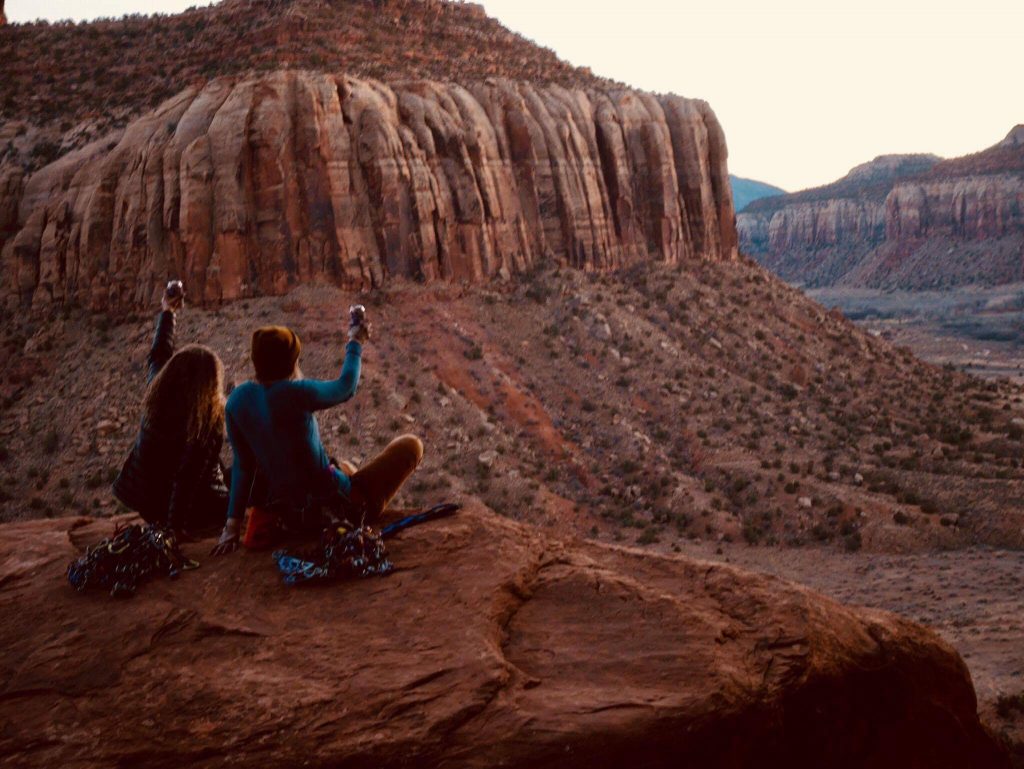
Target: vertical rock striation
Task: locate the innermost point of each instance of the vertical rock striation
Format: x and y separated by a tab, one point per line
249	187
907	222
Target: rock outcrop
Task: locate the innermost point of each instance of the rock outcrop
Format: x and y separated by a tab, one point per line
250	187
910	225
816	236
491	645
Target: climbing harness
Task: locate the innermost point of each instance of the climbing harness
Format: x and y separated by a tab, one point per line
348	552
133	555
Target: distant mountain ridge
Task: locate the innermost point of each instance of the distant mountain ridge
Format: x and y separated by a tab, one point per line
746	191
900	221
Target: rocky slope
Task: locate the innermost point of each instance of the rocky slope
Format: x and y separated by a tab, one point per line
658	405
253	186
900	222
491	644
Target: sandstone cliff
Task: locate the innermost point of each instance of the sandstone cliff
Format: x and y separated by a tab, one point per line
816	236
923	225
251	186
491	645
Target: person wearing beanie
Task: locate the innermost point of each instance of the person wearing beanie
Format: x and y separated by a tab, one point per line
274	435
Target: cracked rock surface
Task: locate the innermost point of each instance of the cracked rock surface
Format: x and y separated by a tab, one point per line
492	645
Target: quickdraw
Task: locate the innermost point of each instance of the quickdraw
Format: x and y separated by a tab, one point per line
133	555
348	552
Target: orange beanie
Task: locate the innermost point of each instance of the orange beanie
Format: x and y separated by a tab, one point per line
275	349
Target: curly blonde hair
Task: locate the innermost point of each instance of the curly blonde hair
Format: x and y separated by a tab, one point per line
189	390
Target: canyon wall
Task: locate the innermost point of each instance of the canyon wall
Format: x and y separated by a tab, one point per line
815	243
247	187
952	223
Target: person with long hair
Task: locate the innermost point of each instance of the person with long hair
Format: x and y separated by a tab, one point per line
173	477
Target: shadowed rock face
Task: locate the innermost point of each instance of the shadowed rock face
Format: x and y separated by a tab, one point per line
491	645
250	187
900	222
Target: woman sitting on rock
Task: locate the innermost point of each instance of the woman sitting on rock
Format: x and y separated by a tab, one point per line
271	423
173	477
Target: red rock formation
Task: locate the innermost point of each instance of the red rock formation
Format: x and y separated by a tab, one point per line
959	221
492	645
816	236
250	187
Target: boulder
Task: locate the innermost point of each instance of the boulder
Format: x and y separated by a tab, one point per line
492	644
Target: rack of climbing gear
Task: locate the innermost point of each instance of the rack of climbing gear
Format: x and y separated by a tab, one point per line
132	555
351	552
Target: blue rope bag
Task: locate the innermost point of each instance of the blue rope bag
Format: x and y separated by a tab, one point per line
349	552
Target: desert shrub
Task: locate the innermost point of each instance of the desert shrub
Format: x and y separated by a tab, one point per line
648	536
752	532
1006	704
901	518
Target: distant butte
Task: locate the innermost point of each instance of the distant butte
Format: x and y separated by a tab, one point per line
900	221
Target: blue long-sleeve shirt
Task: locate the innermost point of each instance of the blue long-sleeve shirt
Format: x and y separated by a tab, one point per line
273	430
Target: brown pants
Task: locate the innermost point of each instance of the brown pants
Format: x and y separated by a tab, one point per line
377	482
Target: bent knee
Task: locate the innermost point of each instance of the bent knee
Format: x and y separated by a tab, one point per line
410	446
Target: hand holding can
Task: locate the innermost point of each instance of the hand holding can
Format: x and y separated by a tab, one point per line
174	296
358	327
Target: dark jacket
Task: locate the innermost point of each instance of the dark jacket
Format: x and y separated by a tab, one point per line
169	479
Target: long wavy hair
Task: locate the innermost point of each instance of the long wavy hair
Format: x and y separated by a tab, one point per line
188	391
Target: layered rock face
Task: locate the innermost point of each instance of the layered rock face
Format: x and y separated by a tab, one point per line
250	187
817	242
492	645
955	222
817	236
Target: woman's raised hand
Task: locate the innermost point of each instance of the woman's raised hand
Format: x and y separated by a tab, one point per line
174	297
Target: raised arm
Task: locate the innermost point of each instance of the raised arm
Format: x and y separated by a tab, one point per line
163	344
317	394
163	340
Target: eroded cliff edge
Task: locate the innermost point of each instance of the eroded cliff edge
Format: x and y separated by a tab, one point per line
246	187
908	222
491	645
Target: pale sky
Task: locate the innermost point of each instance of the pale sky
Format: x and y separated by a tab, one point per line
805	89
